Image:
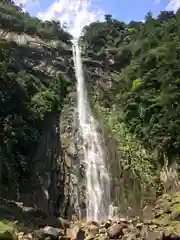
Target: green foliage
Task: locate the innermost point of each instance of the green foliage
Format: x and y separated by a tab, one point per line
141	109
137	83
26	98
98	36
6	227
134	157
147	82
134	169
12	18
24	105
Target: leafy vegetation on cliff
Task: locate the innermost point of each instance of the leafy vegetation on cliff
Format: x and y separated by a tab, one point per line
146	85
140	107
144	95
12	18
28	97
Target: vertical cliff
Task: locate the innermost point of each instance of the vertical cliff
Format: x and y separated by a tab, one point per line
36	76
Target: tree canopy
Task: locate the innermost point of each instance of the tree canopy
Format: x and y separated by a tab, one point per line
145	76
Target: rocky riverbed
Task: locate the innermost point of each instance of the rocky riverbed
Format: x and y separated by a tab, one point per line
164	226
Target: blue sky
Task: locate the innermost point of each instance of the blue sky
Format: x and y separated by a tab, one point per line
78	13
127	10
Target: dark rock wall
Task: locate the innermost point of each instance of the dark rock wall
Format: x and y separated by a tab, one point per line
49	187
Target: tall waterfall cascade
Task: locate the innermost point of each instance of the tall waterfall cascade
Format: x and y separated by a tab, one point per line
97	176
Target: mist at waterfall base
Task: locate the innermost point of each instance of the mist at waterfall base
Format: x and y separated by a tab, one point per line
97	177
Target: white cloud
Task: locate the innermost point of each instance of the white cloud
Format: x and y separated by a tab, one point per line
75	13
173	5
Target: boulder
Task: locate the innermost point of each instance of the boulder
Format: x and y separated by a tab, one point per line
47	232
93	229
139	225
123	220
77	233
33	212
23	236
54	222
163	205
155	235
115	231
102	230
108	224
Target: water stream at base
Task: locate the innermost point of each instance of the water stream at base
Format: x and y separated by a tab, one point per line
97	176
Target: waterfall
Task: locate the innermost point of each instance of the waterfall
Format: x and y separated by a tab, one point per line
97	176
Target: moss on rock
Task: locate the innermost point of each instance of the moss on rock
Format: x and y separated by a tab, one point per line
7	231
167	214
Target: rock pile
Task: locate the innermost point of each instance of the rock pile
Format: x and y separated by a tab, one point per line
121	228
164	226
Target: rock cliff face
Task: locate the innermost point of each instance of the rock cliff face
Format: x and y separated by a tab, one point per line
72	155
54	185
49	187
57	182
68	129
50	172
49	58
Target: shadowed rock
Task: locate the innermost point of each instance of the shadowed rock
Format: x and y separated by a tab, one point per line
48	231
115	231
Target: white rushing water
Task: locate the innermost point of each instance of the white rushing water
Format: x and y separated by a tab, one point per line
97	176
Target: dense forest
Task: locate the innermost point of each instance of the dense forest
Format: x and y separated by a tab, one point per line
140	110
146	70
